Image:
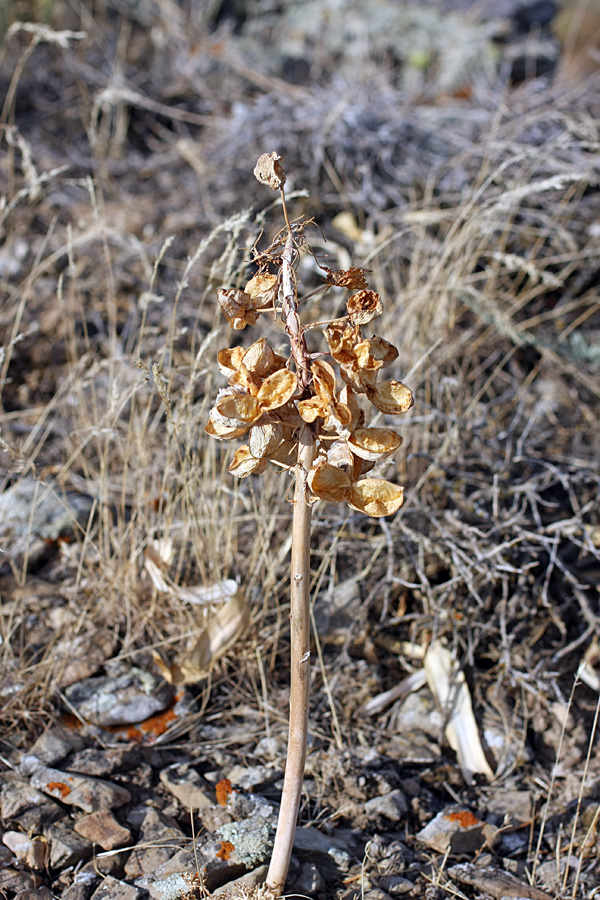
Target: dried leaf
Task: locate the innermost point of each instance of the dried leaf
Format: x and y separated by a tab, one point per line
342	339
269	170
452	694
329	482
286	454
383	350
376	497
391	397
277	389
244	464
353	279
223	432
237	308
222	630
374	443
363	307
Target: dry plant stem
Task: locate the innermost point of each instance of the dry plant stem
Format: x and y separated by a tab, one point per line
299	669
299	600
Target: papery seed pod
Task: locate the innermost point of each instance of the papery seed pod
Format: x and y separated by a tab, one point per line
374	443
244	464
347	396
383	350
241	407
329	482
286	454
229	360
221	421
223	432
340	456
261	359
247	381
263	289
342	340
352	279
277	389
376	497
391	397
363	307
264	439
269	170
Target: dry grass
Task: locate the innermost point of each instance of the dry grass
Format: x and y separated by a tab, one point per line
127	151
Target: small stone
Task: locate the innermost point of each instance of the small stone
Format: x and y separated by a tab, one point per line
53	745
377	894
113	889
12	880
158	837
99	763
102	828
391	805
41	893
457	830
396	885
246	882
80	890
187	786
308	880
89	794
19	797
66	847
123	699
249	777
32	853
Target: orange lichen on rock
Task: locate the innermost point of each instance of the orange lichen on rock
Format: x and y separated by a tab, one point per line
225	850
464	818
222	790
63	789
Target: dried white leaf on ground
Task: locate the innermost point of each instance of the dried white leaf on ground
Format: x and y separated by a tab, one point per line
406	686
452	694
223	628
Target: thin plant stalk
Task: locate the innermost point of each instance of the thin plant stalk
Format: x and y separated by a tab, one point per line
299	595
299	669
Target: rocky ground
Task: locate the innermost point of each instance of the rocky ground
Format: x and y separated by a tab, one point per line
452	150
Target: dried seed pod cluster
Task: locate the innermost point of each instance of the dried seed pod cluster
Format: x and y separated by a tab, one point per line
272	398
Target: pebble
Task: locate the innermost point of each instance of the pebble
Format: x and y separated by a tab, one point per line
113	889
29	506
41	893
159	838
124	699
20	800
456	830
88	794
13	880
102	828
308	880
78	891
53	745
99	763
66	847
33	853
391	805
187	786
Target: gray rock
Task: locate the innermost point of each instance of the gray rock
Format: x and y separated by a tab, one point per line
160	838
88	794
66	847
248	777
99	763
53	745
102	828
456	830
187	786
308	880
30	507
122	699
41	893
13	880
19	800
30	852
78	891
391	805
113	889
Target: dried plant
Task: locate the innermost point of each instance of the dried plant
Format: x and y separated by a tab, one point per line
298	418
